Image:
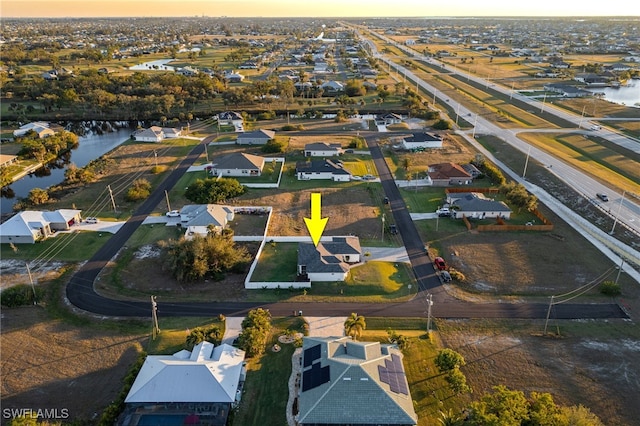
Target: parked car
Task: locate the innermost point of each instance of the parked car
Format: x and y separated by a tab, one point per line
441	265
173	213
368	177
356	177
446	276
603	197
348	151
393	229
91	220
386	200
444	212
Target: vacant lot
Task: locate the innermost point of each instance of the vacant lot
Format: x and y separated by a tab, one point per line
50	364
593	363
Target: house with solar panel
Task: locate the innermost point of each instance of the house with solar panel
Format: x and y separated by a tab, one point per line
344	382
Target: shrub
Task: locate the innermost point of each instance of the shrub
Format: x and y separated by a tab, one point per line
20	295
139	190
292	127
609	288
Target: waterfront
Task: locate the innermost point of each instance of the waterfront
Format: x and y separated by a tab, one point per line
89	148
628	95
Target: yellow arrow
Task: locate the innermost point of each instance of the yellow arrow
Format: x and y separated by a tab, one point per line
316	224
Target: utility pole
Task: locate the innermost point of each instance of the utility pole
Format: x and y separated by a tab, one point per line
155	154
511	95
429	305
33	287
474	126
544	99
434	96
457	113
382	237
166	196
154	318
617	214
526	162
113	202
619	269
582	117
548	313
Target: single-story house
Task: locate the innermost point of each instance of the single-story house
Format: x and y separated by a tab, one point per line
388	119
202	219
322	149
230	118
202	386
332	87
422	140
29	226
259	137
322	169
566	90
330	260
446	174
156	134
345	382
234	77
475	205
152	134
42	129
237	164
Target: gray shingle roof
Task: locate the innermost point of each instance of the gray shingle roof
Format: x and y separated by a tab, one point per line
327	257
354	393
320	166
239	160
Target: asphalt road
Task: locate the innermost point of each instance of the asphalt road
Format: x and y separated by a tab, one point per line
81	293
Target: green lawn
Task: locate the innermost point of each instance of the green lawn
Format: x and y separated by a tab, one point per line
264	400
65	247
278	262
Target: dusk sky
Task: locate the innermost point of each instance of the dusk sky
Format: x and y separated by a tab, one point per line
324	8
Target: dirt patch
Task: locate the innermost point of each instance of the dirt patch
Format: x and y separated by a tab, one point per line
47	364
600	373
14	272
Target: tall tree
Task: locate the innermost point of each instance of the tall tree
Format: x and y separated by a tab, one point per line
354	326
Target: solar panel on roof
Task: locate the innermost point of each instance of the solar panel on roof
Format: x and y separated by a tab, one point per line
392	373
311	354
315	376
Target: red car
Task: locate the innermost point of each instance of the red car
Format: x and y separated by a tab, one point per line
440	263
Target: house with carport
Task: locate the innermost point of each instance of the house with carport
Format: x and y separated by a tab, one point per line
189	387
322	149
322	169
29	226
330	260
230	118
347	382
237	164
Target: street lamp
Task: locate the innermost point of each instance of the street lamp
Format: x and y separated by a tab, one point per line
617	214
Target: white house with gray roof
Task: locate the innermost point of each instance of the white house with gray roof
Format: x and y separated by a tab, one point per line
422	140
237	164
330	260
29	226
475	205
322	169
322	149
259	137
344	382
201	219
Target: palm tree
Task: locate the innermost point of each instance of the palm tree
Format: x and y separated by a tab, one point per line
354	325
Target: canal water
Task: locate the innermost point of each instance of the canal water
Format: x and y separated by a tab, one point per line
89	147
628	95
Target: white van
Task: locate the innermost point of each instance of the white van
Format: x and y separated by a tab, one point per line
595	127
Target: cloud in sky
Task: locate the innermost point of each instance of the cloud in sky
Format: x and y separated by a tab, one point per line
324	8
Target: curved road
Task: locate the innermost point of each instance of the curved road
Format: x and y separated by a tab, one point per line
81	292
